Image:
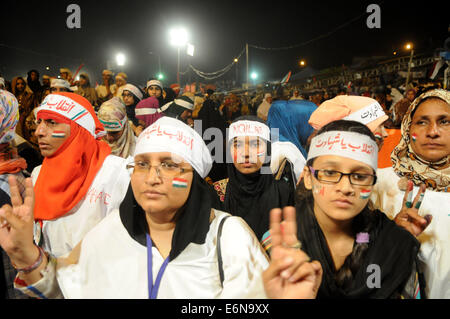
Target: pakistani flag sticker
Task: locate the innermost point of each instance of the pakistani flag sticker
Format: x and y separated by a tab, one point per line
179	182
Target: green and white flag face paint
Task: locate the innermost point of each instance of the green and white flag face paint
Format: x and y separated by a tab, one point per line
179	182
365	193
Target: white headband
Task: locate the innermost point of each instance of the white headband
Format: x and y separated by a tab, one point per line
67	107
248	128
367	114
171	135
145	111
351	145
184	103
133	89
154	82
114	126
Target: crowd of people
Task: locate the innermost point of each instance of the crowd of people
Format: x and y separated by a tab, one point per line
293	195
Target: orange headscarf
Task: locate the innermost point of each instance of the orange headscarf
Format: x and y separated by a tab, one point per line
66	176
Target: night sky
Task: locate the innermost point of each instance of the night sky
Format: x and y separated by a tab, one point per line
35	35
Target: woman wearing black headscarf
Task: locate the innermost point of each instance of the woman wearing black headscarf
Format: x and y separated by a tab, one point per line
163	240
251	191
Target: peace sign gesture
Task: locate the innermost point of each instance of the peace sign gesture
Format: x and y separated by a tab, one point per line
409	217
16	225
290	273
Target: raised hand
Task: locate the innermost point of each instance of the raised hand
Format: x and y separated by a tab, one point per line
16	225
290	273
409	217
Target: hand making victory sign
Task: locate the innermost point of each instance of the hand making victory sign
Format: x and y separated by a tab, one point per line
290	274
409	217
16	225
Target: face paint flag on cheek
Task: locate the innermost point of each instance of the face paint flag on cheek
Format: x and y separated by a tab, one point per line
179	183
59	134
414	137
378	136
365	193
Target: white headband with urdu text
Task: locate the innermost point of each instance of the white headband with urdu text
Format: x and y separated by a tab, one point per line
248	128
351	145
171	135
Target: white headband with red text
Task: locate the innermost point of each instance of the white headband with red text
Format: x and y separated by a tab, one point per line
67	107
248	128
346	144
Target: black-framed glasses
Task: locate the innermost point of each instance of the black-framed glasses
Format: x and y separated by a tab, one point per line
163	170
334	177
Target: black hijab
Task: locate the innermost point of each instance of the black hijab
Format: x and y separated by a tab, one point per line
170	96
192	219
252	196
392	248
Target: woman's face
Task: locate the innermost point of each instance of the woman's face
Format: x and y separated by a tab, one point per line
128	98
430	130
51	135
341	201
112	137
120	82
164	193
154	90
83	81
20	85
248	153
410	95
33	76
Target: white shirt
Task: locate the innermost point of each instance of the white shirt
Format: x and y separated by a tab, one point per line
435	240
114	265
105	194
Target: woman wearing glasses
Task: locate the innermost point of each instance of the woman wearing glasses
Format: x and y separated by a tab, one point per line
162	241
363	254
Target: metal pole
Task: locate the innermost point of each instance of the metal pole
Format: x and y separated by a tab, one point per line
236	75
159	63
246	53
409	67
178	68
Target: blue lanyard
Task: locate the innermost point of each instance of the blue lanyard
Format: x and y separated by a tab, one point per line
153	288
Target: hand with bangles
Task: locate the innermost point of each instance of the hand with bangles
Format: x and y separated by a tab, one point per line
291	274
409	217
16	229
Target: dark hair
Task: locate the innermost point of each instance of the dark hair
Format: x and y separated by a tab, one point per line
363	222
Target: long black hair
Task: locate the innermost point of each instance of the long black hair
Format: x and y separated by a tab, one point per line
363	222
